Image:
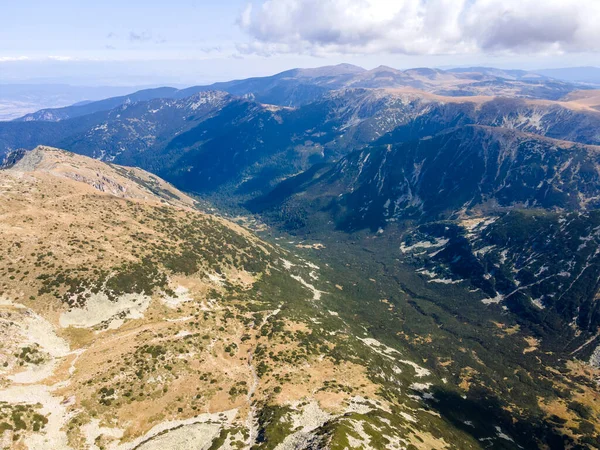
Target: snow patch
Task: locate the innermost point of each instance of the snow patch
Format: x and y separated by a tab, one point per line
497	299
379	348
444	281
595	358
316	293
420	371
538	302
439	242
287	264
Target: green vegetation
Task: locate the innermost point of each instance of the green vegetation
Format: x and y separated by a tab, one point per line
20	418
30	355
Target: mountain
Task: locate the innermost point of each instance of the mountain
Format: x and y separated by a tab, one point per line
246	147
133	320
466	169
241	144
290	88
212	141
294	86
139	125
423	271
508	74
78	110
298	87
540	265
530	245
17	100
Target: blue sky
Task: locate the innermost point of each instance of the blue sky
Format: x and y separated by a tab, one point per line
191	41
121	30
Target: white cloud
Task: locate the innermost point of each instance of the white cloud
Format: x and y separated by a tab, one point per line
421	27
50	58
13	58
61	58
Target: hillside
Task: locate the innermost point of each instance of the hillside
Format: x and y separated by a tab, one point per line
213	142
532	203
542	266
465	169
19	99
131	127
133	320
78	110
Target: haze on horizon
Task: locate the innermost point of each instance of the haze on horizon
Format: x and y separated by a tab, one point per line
187	42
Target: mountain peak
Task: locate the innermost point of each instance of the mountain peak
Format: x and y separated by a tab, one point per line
350	67
383	68
94	176
327	71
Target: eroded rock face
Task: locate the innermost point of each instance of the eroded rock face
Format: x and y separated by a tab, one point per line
11	158
100	309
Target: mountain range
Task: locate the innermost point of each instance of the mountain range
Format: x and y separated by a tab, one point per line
17	100
212	139
301	86
325	258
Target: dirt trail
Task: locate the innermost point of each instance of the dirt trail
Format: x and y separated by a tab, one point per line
252	420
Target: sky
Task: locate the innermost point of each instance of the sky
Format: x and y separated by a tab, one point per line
184	42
